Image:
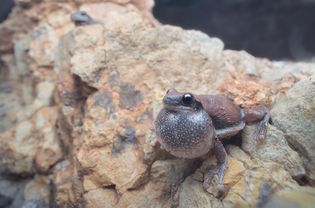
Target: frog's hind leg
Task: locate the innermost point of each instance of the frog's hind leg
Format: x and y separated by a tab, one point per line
229	131
215	175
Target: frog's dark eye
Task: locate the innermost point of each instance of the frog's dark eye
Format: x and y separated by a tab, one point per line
188	99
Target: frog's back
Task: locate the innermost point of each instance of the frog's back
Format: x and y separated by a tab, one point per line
222	110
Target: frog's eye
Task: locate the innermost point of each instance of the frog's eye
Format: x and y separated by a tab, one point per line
187	99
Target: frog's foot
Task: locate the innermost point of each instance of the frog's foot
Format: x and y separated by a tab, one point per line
261	116
213	181
261	128
213	178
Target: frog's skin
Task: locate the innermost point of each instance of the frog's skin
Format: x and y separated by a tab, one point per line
82	18
189	126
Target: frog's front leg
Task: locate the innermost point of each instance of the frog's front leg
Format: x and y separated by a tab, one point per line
259	114
216	173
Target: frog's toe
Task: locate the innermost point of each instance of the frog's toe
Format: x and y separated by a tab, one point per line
260	133
213	182
208	177
261	129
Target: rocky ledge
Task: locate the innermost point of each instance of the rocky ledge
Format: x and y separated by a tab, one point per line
78	105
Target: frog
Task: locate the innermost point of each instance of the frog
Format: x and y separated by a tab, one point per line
190	126
83	18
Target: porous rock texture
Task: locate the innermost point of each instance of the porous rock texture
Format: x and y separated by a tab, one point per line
78	106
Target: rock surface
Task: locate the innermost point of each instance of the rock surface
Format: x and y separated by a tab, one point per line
275	148
79	103
299	124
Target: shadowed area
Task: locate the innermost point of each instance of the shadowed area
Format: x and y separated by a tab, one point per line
271	29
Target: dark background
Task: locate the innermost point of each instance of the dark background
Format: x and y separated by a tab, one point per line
279	30
5	8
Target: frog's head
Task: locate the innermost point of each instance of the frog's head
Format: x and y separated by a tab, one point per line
174	100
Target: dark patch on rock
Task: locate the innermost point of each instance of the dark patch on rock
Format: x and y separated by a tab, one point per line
129	96
105	100
97	74
129	137
146	115
5	201
71	98
265	192
113	78
5	87
3	109
12	190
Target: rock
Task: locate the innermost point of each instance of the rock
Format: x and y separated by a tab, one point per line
34	204
247	92
88	131
118	104
289	198
192	194
31	144
38	190
66	186
8	105
101	198
9	192
274	149
123	168
298	125
245	187
5	201
128	65
160	191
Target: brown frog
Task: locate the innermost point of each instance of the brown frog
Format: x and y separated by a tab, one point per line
189	126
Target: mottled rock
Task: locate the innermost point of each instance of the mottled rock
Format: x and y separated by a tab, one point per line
110	82
65	185
275	148
160	191
11	192
101	198
247	91
123	106
245	189
5	201
37	190
31	144
34	204
294	114
192	194
124	168
293	198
